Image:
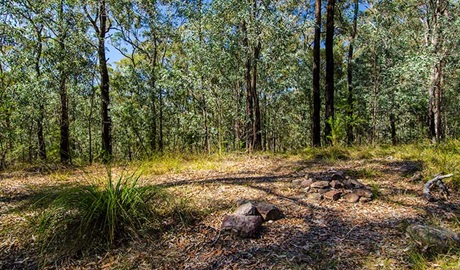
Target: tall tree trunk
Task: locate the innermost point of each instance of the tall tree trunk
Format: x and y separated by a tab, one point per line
438	9
153	120
249	92
349	124
329	93
393	128
90	118
376	89
64	146
101	30
160	139
316	114
256	129
64	123
41	107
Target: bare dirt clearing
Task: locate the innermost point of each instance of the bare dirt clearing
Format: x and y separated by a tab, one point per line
313	234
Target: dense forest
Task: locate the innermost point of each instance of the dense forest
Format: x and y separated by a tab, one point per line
229	134
208	76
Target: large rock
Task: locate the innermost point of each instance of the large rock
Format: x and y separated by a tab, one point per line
333	195
269	211
242	226
434	237
247	209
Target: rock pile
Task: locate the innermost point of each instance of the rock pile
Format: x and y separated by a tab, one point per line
246	221
333	185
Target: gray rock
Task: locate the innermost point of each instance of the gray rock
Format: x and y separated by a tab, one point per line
336	184
333	195
362	192
306	183
242	226
269	211
247	209
297	182
320	184
351	197
436	238
364	200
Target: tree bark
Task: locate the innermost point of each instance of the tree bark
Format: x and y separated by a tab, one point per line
256	130
64	146
101	30
329	93
41	107
438	9
349	124
316	114
249	92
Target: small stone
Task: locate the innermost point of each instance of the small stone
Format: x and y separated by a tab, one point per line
337	176
351	197
297	182
319	190
333	195
314	196
320	184
347	184
356	183
363	193
364	199
306	182
336	184
247	209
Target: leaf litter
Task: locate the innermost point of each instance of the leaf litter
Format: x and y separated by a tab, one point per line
312	235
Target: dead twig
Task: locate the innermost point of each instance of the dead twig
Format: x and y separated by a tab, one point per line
437	180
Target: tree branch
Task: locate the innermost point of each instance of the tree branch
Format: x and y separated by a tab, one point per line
437	180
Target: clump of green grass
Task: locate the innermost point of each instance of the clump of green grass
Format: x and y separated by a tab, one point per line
117	210
104	215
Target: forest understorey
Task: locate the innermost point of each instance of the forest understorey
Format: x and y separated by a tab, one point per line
313	233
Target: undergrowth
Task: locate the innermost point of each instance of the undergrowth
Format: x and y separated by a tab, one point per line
103	215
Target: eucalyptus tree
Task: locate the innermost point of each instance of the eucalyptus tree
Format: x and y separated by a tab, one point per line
98	16
29	18
350	98
316	115
329	89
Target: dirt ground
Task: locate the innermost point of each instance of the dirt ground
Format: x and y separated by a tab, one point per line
312	235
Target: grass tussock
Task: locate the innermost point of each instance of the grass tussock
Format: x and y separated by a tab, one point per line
106	214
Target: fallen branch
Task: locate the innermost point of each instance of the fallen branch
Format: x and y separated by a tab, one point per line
437	180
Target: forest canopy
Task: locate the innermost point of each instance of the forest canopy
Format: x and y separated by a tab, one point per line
207	76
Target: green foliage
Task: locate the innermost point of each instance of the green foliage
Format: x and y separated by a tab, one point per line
118	210
83	218
337	130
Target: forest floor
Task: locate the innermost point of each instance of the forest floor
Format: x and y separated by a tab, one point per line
312	235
